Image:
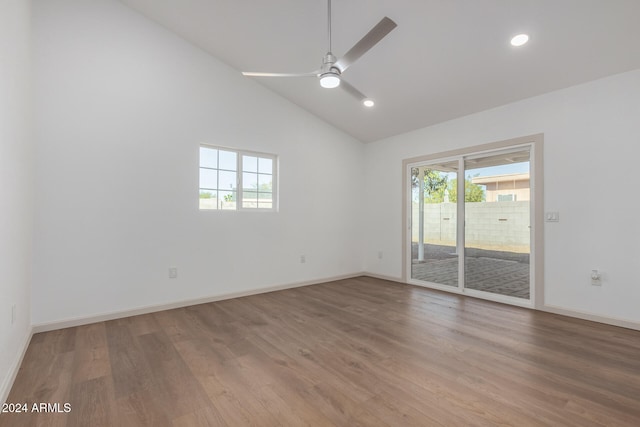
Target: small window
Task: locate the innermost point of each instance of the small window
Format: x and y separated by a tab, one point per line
237	180
506	197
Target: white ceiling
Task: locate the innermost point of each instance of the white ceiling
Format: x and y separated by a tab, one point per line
446	58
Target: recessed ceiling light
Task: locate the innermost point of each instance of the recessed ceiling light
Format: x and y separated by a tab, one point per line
368	103
519	40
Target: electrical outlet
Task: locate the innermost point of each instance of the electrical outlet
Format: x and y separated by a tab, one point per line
303	259
13	314
380	254
596	278
173	272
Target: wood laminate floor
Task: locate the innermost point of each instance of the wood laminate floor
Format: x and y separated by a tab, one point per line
356	352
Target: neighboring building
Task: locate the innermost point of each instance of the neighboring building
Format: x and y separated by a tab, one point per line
505	188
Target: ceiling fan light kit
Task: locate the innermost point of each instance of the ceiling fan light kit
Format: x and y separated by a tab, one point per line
329	80
330	74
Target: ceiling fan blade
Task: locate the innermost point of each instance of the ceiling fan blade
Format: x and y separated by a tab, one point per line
376	34
258	74
352	90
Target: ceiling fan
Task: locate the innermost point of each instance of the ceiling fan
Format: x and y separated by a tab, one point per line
330	73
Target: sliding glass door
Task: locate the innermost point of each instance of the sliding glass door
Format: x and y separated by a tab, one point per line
497	223
434	256
477	243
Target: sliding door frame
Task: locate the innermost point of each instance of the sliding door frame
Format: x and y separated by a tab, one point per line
535	144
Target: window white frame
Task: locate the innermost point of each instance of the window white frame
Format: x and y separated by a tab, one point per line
240	171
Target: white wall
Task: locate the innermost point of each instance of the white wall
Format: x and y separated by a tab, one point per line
121	107
591	142
16	219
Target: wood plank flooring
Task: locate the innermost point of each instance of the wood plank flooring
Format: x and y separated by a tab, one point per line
356	352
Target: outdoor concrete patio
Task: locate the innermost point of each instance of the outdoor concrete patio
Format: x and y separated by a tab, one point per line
500	272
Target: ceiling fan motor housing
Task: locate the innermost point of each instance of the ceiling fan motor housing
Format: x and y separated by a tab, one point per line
329	75
328	64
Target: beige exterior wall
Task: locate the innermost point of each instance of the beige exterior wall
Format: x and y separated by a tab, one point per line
504	185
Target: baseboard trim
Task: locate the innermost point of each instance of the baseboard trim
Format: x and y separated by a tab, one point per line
591	316
383	277
548	308
15	367
79	321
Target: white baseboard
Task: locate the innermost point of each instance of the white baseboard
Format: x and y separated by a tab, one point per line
383	277
623	323
591	316
15	367
79	321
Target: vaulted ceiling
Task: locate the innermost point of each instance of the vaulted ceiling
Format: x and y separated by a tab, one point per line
446	58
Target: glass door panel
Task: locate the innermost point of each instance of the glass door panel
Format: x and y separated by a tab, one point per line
434	257
497	223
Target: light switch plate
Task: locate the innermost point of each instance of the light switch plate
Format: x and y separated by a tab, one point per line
552	216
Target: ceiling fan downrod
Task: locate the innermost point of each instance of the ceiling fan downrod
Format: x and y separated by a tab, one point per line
330	75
